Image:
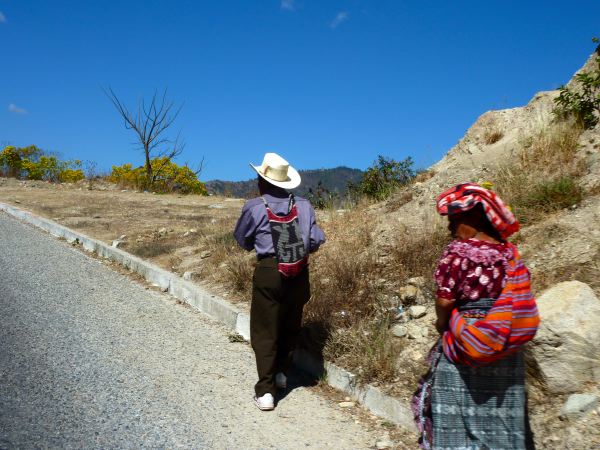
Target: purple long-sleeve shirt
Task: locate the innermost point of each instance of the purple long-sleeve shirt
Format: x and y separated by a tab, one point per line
253	230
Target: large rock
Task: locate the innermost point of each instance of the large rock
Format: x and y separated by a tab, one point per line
567	345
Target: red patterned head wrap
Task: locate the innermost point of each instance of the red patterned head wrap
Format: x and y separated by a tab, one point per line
464	197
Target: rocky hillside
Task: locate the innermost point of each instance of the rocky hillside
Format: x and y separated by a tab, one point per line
562	242
523	151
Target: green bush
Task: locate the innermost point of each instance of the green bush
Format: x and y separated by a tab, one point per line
550	195
583	101
384	177
167	177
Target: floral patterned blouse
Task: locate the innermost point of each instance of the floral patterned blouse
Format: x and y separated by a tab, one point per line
472	269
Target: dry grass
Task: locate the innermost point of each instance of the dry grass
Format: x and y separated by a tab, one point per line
491	136
154	248
367	349
342	272
354	289
417	255
542	178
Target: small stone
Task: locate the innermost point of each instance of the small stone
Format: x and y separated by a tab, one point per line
216	206
408	293
347	399
17	201
189	275
162	231
417	311
205	254
386	443
193	230
417	282
116	243
346	404
577	405
186	234
122	237
416	356
96	216
399	330
415	332
124	190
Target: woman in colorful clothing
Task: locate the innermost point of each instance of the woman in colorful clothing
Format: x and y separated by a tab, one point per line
462	404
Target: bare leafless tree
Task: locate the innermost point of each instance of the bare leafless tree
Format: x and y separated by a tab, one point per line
150	122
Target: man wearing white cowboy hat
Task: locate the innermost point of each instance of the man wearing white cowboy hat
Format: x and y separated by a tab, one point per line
282	229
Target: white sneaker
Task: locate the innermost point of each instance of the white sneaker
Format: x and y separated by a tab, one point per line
281	380
265	402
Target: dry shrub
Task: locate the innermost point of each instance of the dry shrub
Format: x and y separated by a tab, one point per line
349	310
153	249
417	254
240	270
367	349
228	265
491	136
341	318
543	176
424	175
341	272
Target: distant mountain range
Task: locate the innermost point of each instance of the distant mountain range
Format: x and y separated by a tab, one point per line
334	180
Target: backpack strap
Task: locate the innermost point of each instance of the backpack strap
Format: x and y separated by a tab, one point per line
291	203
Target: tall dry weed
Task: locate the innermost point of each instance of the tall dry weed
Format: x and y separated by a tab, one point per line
367	349
417	254
349	313
342	272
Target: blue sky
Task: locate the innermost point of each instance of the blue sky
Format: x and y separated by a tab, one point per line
322	82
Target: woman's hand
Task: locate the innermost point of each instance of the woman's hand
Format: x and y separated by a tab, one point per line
443	310
440	327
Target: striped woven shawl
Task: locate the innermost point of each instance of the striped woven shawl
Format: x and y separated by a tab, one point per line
511	322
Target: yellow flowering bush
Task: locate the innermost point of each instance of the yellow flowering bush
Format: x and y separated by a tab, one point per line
71	175
31	163
10	162
167	177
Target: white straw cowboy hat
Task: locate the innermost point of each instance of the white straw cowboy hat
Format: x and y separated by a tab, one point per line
278	171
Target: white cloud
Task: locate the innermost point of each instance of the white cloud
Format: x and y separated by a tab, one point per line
2	17
16	110
340	17
289	5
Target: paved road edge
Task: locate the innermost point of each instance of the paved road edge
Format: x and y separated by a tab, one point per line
221	310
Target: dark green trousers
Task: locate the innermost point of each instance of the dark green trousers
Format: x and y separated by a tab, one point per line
275	320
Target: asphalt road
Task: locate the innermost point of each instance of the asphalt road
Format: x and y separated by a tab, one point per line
91	359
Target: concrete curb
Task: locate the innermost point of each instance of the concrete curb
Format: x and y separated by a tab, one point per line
219	309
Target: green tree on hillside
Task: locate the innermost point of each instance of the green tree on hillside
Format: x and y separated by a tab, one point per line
582	101
385	176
